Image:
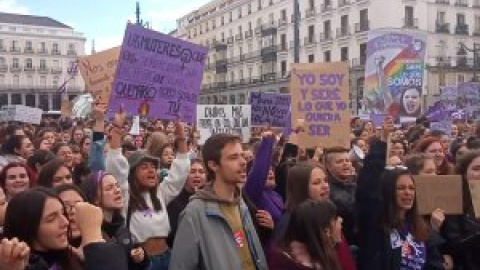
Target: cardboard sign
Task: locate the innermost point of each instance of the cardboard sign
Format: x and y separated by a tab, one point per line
320	96
66	108
475	194
157	75
270	109
231	119
22	114
439	191
98	71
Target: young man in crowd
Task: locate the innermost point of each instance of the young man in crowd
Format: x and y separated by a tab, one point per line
216	229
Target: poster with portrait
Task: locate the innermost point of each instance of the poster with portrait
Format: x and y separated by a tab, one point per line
394	73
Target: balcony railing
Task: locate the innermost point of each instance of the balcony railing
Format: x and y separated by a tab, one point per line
443	2
15	68
42	70
326	36
71	52
219	46
238	37
29	50
362	26
443	61
3	68
42	51
410	23
442	27
29	69
359	62
310	13
269	50
461	3
310	40
56	70
327	7
343	3
14	49
343	32
461	29
56	52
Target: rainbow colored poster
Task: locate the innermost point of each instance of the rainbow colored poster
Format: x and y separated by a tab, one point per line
394	73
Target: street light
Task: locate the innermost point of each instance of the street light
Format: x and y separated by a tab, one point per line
475	50
140	21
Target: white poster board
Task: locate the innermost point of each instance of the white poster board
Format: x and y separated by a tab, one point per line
231	119
22	114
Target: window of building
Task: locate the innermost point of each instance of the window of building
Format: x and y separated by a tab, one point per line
460	78
16	80
259	4
344	24
311	33
29	63
364	19
15	63
2	79
16	98
222	20
28	46
441	15
2	61
231	16
283	42
283	68
477	24
327	56
249	8
43	64
214	23
344	54
311	4
1	44
311	58
460	19
271	19
15	46
55	81
43	81
409	17
327	29
363	53
239	12
283	14
55	48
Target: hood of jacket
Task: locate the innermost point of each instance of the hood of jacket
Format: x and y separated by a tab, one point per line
208	194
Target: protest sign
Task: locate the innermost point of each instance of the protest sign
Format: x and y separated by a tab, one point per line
135	129
98	71
377	119
231	119
270	109
66	108
394	72
320	97
445	126
439	192
22	114
475	194
157	75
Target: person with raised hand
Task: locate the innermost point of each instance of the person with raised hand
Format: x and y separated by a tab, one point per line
37	217
14	254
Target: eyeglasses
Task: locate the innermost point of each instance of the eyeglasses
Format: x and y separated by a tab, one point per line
398	167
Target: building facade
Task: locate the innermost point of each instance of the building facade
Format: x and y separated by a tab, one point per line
37	55
252	44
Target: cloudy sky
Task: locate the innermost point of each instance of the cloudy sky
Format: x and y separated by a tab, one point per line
105	20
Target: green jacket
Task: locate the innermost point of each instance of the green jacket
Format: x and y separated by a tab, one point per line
204	239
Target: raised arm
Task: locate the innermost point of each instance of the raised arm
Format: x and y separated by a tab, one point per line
178	173
259	172
96	160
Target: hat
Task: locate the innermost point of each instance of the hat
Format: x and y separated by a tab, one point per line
135	158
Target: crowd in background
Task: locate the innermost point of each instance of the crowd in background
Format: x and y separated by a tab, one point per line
87	194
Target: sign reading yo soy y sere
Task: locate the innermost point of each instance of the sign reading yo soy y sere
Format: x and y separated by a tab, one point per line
320	98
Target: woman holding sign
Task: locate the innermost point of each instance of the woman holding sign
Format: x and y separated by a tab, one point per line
392	235
463	232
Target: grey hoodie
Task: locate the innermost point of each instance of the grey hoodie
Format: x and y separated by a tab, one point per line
205	240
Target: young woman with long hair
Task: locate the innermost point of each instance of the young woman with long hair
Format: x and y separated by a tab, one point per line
37	217
15	178
312	233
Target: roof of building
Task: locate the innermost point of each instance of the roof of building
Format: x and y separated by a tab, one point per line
31	20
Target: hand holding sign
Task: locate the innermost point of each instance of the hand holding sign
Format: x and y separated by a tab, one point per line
119	119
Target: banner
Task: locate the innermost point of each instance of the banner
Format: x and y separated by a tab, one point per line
270	109
22	114
439	191
98	71
320	96
157	75
394	73
231	119
445	126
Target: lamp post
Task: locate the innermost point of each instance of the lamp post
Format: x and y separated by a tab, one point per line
476	58
140	21
296	31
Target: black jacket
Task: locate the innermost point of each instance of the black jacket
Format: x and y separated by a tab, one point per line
343	195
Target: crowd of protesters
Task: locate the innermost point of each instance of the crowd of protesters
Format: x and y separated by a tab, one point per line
87	194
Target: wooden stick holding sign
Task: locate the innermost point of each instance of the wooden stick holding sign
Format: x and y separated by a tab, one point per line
439	191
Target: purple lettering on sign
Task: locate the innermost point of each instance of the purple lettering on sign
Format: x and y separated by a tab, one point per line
270	109
157	75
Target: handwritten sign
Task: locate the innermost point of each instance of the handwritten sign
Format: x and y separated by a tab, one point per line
439	191
98	71
270	109
157	75
475	194
22	114
445	126
320	97
231	119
